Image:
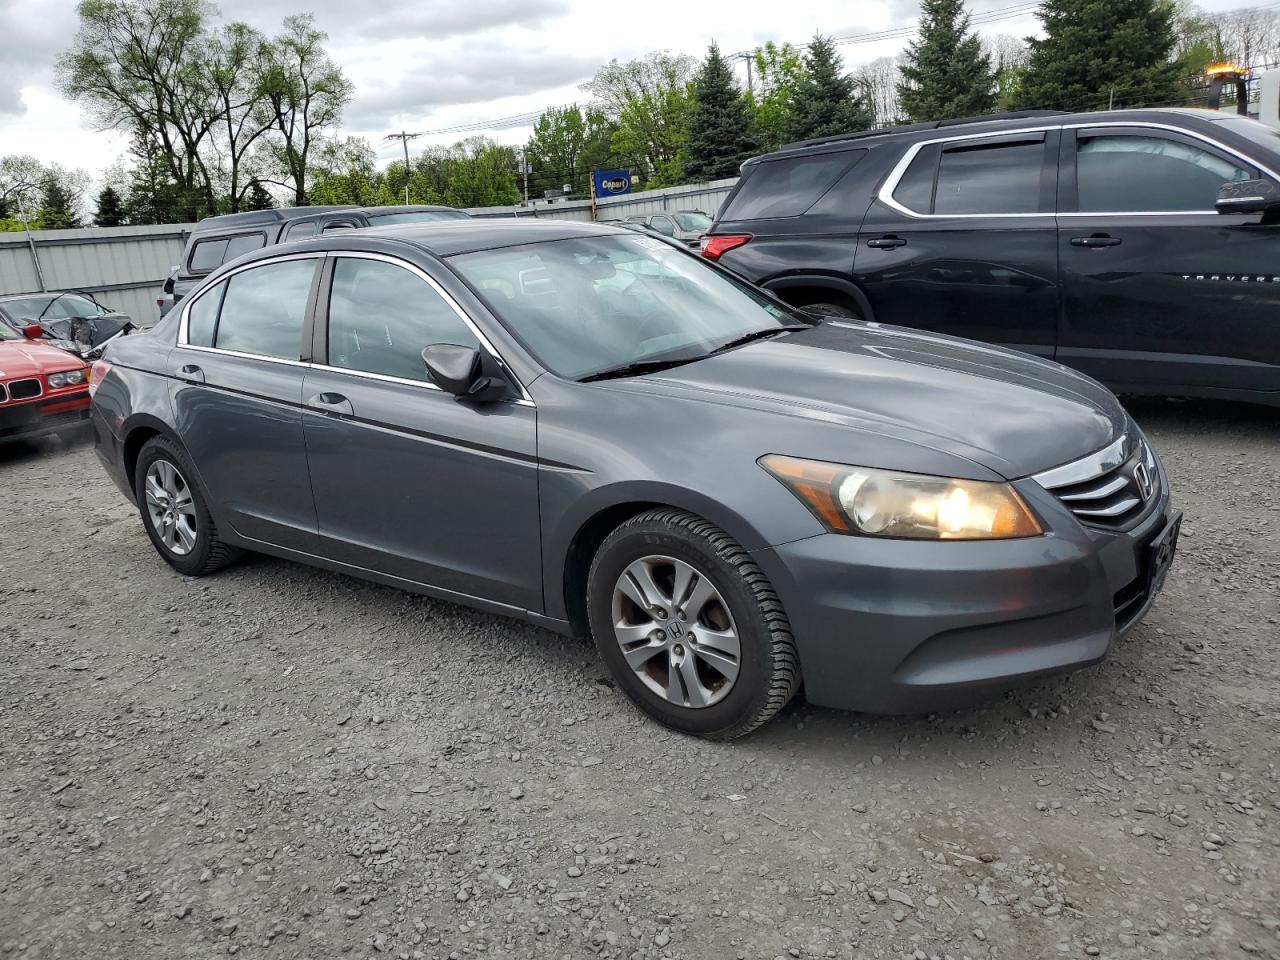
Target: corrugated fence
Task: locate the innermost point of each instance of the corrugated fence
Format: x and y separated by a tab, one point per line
124	267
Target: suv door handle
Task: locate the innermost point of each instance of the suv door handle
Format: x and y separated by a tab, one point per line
191	373
1097	240
332	403
886	243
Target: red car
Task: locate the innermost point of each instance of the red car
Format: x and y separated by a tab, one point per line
43	389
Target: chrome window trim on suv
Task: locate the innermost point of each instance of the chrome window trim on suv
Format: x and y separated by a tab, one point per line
885	194
189	302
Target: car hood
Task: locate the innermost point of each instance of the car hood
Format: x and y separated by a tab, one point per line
1009	412
26	358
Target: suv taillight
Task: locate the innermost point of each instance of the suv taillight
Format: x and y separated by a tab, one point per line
97	371
714	247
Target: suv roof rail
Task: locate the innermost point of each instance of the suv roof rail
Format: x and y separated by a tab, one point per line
926	125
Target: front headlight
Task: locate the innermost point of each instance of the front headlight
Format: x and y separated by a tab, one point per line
67	378
884	503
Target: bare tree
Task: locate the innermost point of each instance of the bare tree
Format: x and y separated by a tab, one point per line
1248	37
304	93
20	179
878	83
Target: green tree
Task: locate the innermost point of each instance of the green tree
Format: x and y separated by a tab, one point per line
719	137
650	101
778	71
238	93
110	212
257	197
153	195
304	93
567	144
481	173
1100	53
343	171
946	73
826	103
57	205
20	179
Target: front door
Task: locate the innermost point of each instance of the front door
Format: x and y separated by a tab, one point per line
409	481
237	399
1159	291
961	241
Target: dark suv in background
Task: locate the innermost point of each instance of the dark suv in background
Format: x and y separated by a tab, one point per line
1141	247
219	240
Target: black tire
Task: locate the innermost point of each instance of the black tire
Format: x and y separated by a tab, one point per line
769	669
209	553
835	310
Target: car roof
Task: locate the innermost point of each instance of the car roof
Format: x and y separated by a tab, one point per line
992	123
445	238
257	218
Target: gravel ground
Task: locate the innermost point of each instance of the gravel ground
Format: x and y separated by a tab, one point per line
278	761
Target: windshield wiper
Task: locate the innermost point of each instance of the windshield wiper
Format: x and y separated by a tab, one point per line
636	367
758	335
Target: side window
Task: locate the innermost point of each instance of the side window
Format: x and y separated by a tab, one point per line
789	187
1123	173
202	316
263	309
663	225
207	255
245	243
300	231
382	315
990	178
915	190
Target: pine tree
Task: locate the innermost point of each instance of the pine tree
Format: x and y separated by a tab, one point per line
826	102
110	212
1101	53
57	206
720	128
946	74
257	198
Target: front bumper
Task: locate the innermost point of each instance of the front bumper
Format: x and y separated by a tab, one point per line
53	413
898	626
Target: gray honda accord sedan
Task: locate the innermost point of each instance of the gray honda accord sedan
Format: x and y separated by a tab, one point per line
605	435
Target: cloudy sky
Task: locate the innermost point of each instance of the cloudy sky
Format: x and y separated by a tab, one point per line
427	65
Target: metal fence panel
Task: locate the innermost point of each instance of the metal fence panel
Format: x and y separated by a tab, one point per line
706	197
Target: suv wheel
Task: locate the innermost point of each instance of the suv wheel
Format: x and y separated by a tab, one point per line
690	627
174	511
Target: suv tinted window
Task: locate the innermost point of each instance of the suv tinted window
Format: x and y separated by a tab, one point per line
915	190
787	188
202	317
381	316
209	254
991	178
1124	173
263	308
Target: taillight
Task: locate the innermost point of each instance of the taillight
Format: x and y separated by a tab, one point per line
714	247
97	372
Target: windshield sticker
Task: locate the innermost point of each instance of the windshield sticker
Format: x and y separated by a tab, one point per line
649	243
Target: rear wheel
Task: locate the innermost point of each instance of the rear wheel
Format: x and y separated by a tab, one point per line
175	512
690	627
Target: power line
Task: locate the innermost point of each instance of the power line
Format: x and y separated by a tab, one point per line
404	139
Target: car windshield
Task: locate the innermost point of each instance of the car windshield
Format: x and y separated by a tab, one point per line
51	306
693	221
1259	133
587	305
416	216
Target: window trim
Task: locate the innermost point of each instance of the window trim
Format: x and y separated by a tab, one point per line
885	193
228	237
308	317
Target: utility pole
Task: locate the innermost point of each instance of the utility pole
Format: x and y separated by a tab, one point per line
524	168
404	139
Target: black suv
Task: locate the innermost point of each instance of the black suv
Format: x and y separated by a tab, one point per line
1141	247
216	240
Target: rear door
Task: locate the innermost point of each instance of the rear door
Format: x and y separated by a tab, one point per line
961	240
237	397
1159	290
409	481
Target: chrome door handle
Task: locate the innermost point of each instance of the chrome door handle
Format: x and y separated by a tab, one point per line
191	373
1097	240
333	403
886	243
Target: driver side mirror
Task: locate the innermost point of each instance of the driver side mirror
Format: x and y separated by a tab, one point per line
468	373
1249	196
33	331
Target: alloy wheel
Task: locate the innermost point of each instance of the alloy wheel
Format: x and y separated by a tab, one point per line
676	631
171	508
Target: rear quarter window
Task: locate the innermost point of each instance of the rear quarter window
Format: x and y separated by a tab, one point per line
208	255
789	187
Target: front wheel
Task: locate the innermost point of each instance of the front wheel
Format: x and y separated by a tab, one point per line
690	627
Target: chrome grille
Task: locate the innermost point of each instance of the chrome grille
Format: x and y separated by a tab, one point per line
4	394
1106	489
24	389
